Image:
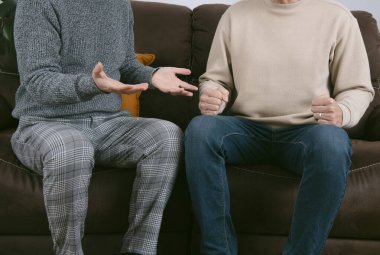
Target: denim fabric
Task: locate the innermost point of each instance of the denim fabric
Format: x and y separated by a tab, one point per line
320	153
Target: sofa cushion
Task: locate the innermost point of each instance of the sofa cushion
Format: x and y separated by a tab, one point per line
371	37
205	20
164	30
23	211
131	101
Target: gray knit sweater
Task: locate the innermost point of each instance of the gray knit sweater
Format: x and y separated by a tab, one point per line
59	42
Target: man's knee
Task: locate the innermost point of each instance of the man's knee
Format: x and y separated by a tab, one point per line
331	150
69	149
168	133
201	130
331	140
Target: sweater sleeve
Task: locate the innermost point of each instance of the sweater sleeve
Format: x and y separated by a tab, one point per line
38	44
132	71
350	74
219	68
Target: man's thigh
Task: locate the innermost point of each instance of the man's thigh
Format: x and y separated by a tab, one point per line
40	142
238	140
296	146
123	141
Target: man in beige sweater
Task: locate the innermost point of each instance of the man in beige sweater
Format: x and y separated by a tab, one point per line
300	72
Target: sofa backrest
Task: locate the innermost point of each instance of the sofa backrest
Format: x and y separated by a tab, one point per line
206	18
165	30
182	38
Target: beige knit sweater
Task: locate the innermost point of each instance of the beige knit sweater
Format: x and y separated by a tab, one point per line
279	57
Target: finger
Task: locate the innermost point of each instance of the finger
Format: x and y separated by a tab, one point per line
213	93
323	116
100	71
177	91
187	86
131	89
323	122
322	100
225	93
211	100
97	69
183	71
208	107
209	112
321	109
185	93
140	87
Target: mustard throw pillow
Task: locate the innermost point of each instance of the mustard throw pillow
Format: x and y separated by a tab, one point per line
131	102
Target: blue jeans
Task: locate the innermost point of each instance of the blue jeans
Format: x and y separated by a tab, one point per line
320	153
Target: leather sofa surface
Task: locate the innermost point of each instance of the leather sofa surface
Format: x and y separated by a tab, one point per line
262	196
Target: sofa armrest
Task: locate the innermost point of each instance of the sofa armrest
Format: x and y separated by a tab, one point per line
6	120
372	127
372	131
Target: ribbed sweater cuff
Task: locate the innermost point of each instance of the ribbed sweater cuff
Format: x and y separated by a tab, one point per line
346	115
87	88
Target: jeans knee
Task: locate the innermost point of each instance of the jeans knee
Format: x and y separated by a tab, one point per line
201	130
331	140
331	151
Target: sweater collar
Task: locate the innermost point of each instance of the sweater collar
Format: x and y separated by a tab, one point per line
284	6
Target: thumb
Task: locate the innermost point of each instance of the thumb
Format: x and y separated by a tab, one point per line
97	69
225	93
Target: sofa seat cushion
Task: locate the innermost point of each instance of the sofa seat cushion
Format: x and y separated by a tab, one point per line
23	210
263	197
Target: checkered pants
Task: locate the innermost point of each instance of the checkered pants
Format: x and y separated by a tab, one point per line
64	152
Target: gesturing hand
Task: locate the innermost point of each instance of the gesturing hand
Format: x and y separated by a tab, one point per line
213	100
165	79
109	85
327	111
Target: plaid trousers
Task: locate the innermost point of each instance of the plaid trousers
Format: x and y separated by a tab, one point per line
64	152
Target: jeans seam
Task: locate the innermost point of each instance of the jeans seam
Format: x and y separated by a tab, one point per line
223	190
224	210
333	220
242	134
258	172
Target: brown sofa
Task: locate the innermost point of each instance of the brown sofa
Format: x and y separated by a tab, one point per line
262	196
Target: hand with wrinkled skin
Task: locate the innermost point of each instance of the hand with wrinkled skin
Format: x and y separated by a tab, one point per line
327	111
213	100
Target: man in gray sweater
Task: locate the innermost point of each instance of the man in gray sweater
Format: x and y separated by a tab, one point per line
75	58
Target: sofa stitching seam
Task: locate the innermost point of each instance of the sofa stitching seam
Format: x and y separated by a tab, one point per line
364	167
21	168
296	178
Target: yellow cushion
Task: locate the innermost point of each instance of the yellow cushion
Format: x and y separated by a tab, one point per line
131	102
